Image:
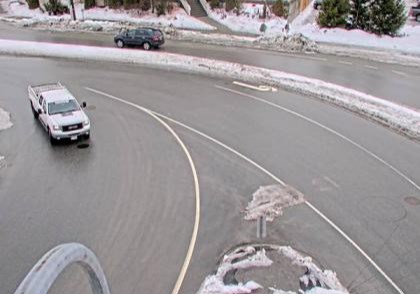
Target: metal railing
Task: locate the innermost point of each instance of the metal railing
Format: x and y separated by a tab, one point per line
43	275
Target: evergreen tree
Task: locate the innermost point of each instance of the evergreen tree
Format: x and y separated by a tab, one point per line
387	16
359	14
334	13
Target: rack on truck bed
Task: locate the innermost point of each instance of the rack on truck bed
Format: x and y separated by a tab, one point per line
38	89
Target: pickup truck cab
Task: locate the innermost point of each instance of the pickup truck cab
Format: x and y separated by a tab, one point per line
59	112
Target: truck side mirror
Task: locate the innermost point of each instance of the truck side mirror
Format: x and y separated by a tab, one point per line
39	111
84	104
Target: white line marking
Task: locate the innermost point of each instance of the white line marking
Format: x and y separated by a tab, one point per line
400	73
345	62
354	244
337	186
261	88
357	145
311	206
191	246
370	66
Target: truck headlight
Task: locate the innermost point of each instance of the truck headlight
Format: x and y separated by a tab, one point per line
56	127
86	122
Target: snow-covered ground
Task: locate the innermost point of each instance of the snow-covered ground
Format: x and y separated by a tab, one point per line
249	20
178	17
398	117
408	42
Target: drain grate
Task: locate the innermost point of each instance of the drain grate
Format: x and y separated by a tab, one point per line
412	200
83	146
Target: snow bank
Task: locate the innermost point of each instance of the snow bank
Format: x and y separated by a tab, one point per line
178	18
409	42
243	258
270	201
249	20
395	116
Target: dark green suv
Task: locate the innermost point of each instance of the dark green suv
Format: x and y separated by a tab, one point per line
145	37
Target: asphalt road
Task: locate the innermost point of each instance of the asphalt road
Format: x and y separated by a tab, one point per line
130	196
393	82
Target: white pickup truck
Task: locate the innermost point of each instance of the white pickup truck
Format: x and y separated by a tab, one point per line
59	112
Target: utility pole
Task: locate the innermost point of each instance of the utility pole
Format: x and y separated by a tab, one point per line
73	12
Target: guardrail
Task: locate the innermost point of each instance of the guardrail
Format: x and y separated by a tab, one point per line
186	6
206	7
41	277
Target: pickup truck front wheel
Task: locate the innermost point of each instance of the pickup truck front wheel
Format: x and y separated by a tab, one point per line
34	112
52	140
147	46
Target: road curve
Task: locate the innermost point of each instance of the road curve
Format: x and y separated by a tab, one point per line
130	195
393	82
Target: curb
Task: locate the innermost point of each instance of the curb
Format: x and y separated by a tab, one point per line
399	118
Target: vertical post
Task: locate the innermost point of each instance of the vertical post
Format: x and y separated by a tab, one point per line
73	12
261	227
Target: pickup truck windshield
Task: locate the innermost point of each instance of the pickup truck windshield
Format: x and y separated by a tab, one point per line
62	107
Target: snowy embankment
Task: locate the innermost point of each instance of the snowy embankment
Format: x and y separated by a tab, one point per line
358	43
315	280
399	118
178	18
5	123
249	20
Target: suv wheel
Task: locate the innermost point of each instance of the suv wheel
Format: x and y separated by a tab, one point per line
120	43
146	46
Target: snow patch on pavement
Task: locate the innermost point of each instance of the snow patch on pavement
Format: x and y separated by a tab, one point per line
5	121
314	276
397	117
270	201
243	258
314	281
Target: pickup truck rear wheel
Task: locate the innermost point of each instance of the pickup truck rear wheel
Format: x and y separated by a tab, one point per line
120	44
33	111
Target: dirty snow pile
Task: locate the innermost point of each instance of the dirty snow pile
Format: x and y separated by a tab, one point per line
178	18
5	123
395	116
314	281
239	259
286	42
249	21
270	201
314	276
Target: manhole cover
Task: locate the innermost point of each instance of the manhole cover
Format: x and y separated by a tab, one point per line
83	146
412	200
382	209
